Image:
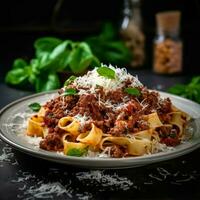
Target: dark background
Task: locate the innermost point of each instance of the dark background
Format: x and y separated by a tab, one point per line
22	21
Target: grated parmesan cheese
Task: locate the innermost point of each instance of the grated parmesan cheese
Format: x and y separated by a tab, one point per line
92	79
82	119
113	182
46	190
7	156
35	141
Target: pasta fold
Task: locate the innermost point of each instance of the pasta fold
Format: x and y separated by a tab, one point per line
70	125
153	120
176	119
93	137
135	147
72	145
35	126
148	134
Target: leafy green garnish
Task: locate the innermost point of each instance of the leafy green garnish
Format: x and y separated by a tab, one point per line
132	91
52	56
34	106
18	76
70	80
106	72
108	47
19	64
69	91
76	152
81	57
190	91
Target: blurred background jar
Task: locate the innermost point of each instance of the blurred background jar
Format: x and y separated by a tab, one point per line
167	43
132	33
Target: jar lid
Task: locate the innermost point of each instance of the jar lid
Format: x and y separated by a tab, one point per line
168	22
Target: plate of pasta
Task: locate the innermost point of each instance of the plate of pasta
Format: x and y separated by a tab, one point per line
104	119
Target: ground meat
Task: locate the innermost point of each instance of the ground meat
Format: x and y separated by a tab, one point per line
165	118
119	129
118	151
168	135
128	82
165	106
132	107
140	125
52	142
86	127
115	96
105	124
56	109
164	131
152	102
119	120
89	105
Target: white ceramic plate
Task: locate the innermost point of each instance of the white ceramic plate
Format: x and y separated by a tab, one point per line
12	124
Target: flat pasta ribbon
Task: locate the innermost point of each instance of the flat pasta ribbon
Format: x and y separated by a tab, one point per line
68	145
178	121
148	134
153	120
70	125
35	126
93	137
135	147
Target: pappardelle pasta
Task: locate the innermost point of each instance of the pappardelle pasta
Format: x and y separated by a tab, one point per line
107	112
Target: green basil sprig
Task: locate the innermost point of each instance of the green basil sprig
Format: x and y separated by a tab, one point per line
132	91
34	106
76	152
190	90
108	46
52	56
70	80
68	92
106	72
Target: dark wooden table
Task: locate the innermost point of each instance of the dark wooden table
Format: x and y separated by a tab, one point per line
26	177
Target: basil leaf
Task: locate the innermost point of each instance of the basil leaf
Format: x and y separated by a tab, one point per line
189	91
109	48
106	72
81	57
65	45
45	44
70	80
117	53
19	63
34	106
52	56
58	59
108	31
195	81
69	91
47	82
177	89
76	152
132	91
17	76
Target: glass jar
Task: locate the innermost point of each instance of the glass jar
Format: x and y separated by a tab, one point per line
168	44
131	31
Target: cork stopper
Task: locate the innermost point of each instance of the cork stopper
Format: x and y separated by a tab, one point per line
168	22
